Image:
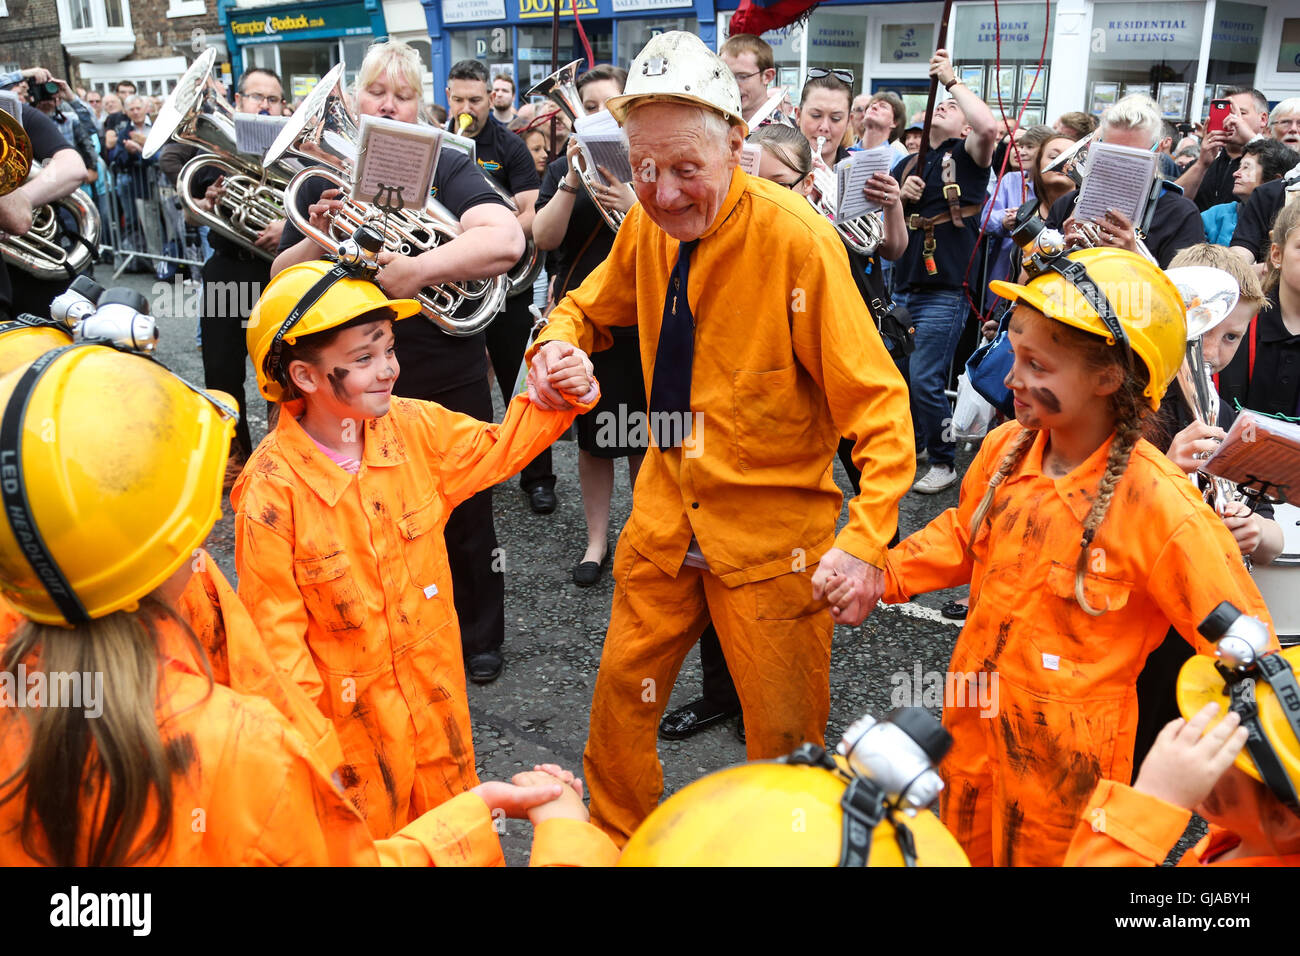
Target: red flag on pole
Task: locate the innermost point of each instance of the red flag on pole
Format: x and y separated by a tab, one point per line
757	16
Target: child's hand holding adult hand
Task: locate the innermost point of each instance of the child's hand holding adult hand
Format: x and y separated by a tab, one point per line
567	805
1194	444
518	799
570	372
541	391
1186	762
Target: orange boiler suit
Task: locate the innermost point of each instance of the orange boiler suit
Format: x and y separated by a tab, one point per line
1122	827
1063	683
248	790
347	578
787	359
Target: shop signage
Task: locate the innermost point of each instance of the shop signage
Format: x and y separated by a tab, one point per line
1236	34
535	9
636	6
906	42
836	38
466	11
299	23
1021	25
1124	31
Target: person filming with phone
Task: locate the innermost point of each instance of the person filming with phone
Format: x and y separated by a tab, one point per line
1235	119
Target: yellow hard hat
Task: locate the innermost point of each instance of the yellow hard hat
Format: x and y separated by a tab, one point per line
1148	305
770	813
327	306
1200	682
108	498
21	342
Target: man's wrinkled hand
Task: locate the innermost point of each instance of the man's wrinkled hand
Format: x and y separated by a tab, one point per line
850	585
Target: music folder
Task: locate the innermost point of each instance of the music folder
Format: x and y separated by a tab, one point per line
1262	453
395	163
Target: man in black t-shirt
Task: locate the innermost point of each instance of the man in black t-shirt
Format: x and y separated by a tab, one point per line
503	156
1208	181
63	173
234	276
438	367
1251	240
942	202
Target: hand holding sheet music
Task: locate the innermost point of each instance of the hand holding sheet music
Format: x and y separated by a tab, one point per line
1118	177
604	145
852	174
1262	453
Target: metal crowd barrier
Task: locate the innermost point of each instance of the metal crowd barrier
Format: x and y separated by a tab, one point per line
143	221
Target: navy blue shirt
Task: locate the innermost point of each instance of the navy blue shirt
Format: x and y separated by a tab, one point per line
953	246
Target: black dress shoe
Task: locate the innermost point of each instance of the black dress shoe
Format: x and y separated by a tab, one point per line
588	572
541	499
486	667
690	720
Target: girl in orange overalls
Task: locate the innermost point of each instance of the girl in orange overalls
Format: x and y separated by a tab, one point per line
142	757
1082	545
339	534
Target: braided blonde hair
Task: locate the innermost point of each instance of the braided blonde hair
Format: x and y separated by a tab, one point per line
1129	407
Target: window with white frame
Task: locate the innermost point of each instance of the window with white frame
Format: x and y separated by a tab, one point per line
185	8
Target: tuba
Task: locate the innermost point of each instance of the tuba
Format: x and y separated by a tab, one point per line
38	251
863	234
324	134
196	112
523	273
561	88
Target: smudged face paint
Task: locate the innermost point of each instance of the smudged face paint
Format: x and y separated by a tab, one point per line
1051	382
360	368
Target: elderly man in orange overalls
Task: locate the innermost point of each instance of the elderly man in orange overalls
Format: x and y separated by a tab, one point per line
754	375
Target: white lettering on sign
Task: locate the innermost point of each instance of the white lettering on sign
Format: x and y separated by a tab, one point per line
463	11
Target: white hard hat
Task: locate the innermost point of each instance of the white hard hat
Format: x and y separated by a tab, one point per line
678	67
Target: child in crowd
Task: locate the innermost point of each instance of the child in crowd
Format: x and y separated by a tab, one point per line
1082	545
339	533
154	761
1265	376
1199	764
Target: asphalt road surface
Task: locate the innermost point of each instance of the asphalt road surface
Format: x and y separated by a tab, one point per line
537	711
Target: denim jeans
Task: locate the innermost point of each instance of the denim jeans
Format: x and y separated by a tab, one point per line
938	316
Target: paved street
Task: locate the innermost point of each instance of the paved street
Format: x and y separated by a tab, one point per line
554	630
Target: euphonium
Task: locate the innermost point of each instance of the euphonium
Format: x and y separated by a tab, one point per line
196	112
15	154
862	234
323	132
523	273
561	88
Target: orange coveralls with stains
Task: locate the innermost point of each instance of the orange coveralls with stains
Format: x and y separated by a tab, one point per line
1065	701
1122	827
264	797
784	364
348	581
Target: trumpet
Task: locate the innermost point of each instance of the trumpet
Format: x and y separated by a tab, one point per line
523	273
323	133
561	88
196	112
864	234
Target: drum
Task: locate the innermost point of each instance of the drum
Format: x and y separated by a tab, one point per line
1279	582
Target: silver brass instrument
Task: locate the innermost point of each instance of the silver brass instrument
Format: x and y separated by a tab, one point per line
37	251
196	112
324	133
520	276
863	234
561	88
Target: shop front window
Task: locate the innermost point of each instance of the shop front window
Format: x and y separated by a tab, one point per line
1150	48
535	49
492	45
836	41
633	35
1234	45
302	64
1005	72
1288	53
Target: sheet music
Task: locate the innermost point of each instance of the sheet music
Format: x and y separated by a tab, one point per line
254	134
852	174
603	144
750	154
1118	177
395	162
462	144
1260	450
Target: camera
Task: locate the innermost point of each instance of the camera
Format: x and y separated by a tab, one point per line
41	92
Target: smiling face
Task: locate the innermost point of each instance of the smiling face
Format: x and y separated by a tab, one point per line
354	375
468	96
1051	381
681	166
390	99
825	113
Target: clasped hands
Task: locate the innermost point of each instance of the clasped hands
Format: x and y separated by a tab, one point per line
560	377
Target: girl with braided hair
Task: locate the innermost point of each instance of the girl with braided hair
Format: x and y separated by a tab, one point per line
1082	544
